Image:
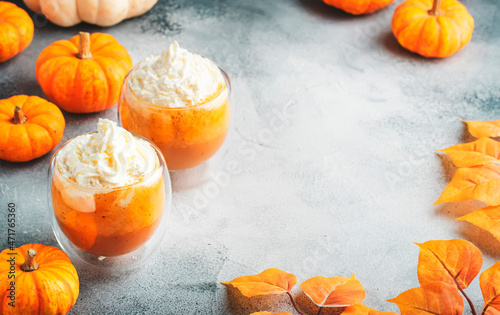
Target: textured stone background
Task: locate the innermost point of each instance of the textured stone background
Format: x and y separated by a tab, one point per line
333	154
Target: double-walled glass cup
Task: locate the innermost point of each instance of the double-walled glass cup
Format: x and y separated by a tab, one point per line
187	136
117	227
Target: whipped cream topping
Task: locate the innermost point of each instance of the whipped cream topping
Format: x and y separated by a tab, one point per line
111	157
176	78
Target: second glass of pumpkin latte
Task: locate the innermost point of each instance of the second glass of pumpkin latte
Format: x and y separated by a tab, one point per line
179	101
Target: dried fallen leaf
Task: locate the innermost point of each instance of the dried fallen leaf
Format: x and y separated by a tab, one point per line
490	286
455	262
269	313
270	281
334	291
487	218
436	298
480	152
359	309
479	182
481	129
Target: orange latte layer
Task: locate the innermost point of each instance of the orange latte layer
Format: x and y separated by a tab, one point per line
109	221
187	136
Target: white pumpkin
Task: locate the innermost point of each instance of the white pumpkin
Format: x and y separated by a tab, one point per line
100	12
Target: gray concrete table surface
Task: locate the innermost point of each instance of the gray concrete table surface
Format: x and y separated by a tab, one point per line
335	134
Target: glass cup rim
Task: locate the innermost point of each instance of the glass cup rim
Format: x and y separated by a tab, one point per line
161	161
176	108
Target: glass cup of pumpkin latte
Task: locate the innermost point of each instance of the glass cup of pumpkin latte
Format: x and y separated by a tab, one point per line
179	101
109	192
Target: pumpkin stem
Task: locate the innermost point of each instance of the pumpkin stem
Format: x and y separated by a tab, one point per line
84	46
30	263
436	5
19	117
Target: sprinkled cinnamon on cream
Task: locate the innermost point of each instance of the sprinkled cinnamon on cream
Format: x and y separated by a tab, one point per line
109	158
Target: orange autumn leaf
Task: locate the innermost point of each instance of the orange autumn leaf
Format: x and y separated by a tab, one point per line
479	152
455	262
359	309
490	286
491	311
479	182
487	218
433	298
270	313
270	281
481	129
334	291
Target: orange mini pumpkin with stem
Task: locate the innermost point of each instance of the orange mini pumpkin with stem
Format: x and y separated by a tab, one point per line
37	279
432	28
83	74
16	30
358	7
29	127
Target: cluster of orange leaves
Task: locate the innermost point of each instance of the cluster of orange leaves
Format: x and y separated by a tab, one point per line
445	269
478	176
324	292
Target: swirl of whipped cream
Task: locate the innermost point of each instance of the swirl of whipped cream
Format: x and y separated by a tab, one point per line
176	78
111	157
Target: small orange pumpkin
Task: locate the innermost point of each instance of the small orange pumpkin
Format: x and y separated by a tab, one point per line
430	28
83	74
358	7
16	30
37	279
29	127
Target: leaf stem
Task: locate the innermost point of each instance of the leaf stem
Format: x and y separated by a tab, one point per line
320	309
489	304
472	309
295	305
